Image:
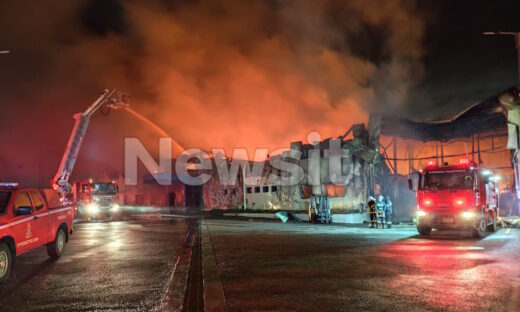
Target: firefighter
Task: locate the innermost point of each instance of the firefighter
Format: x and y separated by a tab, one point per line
380	211
388	212
372	211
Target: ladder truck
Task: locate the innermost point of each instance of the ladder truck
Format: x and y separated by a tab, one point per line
109	99
31	218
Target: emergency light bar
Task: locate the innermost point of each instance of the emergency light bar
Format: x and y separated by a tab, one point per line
9	184
464	161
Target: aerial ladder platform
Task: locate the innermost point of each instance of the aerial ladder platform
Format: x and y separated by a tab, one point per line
110	99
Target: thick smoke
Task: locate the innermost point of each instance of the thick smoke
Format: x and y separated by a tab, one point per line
211	73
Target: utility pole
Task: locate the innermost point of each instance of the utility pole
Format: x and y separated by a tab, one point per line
473	148
442	154
437	153
517	46
411	160
478	150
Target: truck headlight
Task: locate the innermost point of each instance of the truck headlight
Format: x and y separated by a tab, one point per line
421	213
468	214
92	208
115	207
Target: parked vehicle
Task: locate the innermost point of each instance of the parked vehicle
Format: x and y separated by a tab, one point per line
31	218
98	200
460	197
109	99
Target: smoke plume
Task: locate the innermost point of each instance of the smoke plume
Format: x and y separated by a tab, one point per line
212	73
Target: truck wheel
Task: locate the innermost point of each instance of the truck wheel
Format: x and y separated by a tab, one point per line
5	262
423	230
55	249
493	226
479	231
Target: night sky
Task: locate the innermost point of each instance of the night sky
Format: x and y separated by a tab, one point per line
461	65
236	73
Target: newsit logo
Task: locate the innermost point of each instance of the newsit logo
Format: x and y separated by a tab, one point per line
193	166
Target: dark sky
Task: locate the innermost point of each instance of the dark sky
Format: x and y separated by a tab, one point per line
228	73
463	66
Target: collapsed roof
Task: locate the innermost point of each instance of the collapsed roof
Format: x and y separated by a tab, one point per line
488	116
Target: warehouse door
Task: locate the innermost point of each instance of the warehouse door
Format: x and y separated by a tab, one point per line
194	197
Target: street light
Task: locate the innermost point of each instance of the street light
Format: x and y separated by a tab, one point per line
5	51
517	45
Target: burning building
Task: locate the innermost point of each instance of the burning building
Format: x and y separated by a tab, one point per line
367	165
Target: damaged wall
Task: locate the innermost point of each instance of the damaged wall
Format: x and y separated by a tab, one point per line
262	194
215	195
344	198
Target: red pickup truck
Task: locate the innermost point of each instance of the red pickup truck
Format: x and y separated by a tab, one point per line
31	218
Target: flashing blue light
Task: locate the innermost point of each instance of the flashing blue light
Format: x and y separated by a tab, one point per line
8	184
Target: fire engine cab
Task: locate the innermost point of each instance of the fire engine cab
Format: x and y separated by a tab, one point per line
97	199
456	197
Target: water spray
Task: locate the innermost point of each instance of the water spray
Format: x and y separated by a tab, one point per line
153	125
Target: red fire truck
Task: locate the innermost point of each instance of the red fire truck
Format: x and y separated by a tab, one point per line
31	218
456	197
97	199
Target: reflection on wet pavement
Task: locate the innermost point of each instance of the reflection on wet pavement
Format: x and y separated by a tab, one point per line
106	265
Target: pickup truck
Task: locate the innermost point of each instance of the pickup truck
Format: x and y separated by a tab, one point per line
31	218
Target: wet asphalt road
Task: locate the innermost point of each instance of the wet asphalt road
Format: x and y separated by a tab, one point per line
106	266
271	266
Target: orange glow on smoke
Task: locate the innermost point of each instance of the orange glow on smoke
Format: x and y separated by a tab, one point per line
210	74
160	131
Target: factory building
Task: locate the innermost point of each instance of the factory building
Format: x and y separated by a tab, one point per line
358	165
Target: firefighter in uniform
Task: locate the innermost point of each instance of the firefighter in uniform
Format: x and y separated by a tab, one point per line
372	211
388	212
380	211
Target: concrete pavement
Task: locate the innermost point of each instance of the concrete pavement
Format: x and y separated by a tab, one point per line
271	266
